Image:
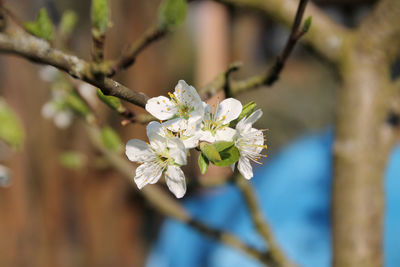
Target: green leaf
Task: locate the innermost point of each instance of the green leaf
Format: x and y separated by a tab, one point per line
72	160
222	145
42	27
11	130
307	24
228	157
100	15
203	163
247	110
68	22
111	139
209	151
171	14
76	103
111	101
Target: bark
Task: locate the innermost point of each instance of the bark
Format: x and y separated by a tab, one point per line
364	139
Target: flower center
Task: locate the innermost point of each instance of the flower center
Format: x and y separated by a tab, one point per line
183	110
164	159
212	125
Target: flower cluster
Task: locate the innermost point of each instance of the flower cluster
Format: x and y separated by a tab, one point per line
225	136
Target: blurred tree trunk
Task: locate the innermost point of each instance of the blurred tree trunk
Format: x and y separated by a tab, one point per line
364	137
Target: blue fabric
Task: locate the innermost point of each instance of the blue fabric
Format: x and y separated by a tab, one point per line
294	189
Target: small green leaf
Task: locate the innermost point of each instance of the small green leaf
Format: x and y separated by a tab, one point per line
247	110
222	145
100	16
203	163
72	160
111	139
11	130
68	22
111	101
171	14
42	27
307	24
228	157
209	151
75	102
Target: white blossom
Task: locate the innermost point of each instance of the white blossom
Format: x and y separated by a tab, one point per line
62	117
215	127
48	73
250	143
88	92
188	131
184	104
162	155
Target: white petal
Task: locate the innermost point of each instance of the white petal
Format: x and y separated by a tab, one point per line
258	139
246	123
147	173
228	110
48	73
193	125
245	168
63	119
191	142
206	136
225	134
154	128
88	92
188	96
176	125
156	135
138	151
254	116
177	151
207	111
175	179
48	110
161	107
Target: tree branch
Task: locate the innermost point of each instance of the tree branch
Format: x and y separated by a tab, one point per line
261	225
295	35
39	51
326	36
153	34
231	88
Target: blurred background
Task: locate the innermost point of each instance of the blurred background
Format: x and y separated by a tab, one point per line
51	215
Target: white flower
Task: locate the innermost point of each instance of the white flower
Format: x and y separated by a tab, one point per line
62	117
188	131
184	104
216	126
250	143
48	73
88	92
161	155
5	177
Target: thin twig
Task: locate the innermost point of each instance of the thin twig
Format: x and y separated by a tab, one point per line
39	51
98	41
261	225
295	35
153	34
221	81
